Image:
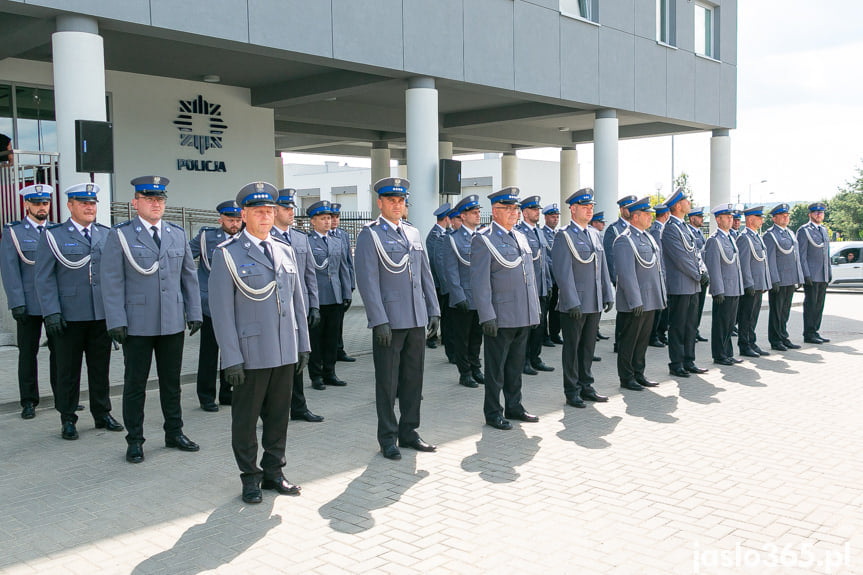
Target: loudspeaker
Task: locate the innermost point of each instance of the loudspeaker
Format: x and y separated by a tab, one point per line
94	147
450	177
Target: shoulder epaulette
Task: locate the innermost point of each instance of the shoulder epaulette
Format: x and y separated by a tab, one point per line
371	223
406	222
178	226
10	224
485	231
207	228
103	226
121	224
52	226
281	239
226	243
299	231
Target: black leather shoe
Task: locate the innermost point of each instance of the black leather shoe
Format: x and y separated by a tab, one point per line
335	382
318	384
723	361
663	338
478	376
135	453
575	402
735	360
391	452
822	338
614	349
79	407
596	358
210	407
252	493
466	380
69	431
759	351
695	369
281	485
813	339
600	336
556	339
419	445
644	382
749	353
631	385
790	345
28	411
778	347
540	366
182	443
528	370
108	422
499	423
593	396
547	342
678	372
523	416
734	332
656	343
345	357
307	416
699	337
431	344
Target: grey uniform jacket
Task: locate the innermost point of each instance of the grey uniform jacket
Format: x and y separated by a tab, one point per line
434	241
753	261
814	252
539	251
306	267
156	304
549	243
725	278
611	233
259	334
581	284
700	242
334	280
507	294
19	276
655	231
456	275
639	271
681	259
403	294
202	246
345	238
783	257
76	293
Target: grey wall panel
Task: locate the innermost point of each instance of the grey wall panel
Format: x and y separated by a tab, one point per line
728	31
618	14
137	11
728	96
579	61
368	32
488	43
226	19
297	25
434	38
550	4
651	83
707	73
645	18
537	49
685	25
681	84
616	69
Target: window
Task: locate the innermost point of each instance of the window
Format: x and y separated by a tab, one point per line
584	9
665	22
706	18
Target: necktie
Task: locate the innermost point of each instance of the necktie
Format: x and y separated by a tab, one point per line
40	228
156	236
86	232
265	245
287	237
325	240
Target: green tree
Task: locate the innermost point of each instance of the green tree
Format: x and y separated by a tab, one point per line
845	210
799	216
682	181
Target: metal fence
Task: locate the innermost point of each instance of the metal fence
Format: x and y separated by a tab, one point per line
25	168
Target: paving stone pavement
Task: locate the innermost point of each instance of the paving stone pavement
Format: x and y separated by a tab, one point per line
756	468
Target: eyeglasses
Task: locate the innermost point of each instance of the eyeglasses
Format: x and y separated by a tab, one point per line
506	207
153	199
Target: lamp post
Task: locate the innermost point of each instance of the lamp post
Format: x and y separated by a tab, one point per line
750	190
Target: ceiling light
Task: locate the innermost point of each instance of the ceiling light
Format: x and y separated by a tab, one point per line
211	78
563	129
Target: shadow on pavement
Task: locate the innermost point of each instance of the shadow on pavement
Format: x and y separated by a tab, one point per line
697	390
650	405
743	376
498	453
587	427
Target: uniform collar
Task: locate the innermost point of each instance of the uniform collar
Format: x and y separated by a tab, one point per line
36	224
394	225
81	228
147	226
468	230
252	238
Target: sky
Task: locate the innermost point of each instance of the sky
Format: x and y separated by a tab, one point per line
799	134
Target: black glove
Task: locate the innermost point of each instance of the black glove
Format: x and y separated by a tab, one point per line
19	313
54	324
575	313
119	334
607	307
807	280
489	328
314	317
718	298
637	311
235	375
749	292
775	287
383	335
302	361
194	326
347	304
704	279
462	306
433	327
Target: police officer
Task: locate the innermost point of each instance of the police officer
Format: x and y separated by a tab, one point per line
614	230
597	222
259	317
345	238
18	267
658	337
202	246
434	240
581	269
551	215
467	333
529	226
684	278
150	290
756	281
814	244
396	284
640	294
283	229
70	294
734	232
334	295
722	259
504	290
696	220
786	272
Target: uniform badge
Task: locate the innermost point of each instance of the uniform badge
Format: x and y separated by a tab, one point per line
26	226
137	228
259	186
70	228
157	179
247	245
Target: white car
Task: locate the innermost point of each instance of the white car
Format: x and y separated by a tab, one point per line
845	262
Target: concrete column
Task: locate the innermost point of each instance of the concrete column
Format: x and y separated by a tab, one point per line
79	94
568	181
402	169
380	170
720	170
444	150
508	170
605	169
279	181
421	103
